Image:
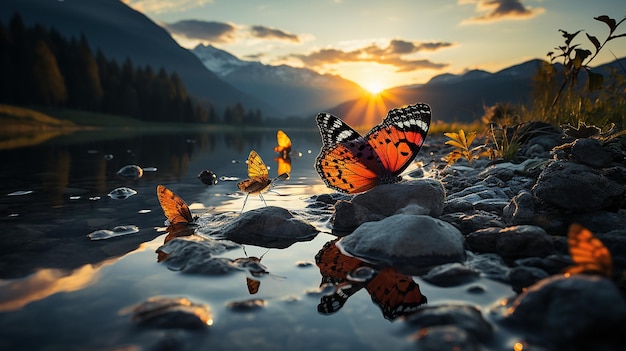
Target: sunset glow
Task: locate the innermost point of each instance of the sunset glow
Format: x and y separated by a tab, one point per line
396	42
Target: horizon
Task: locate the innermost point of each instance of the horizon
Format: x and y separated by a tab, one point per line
404	48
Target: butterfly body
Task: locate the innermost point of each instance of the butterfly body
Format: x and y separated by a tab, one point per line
351	163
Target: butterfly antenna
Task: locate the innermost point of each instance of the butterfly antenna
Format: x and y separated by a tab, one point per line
261	196
260	258
244	250
244	203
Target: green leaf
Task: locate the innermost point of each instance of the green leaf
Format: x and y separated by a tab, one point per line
595	81
594	41
608	20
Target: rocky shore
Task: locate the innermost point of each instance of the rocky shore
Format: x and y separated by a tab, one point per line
506	221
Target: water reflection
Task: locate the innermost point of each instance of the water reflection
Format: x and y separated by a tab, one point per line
396	294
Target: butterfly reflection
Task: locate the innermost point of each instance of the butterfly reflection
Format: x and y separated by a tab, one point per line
258	178
255	268
396	294
351	163
284	144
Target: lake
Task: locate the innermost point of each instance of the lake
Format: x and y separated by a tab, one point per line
59	290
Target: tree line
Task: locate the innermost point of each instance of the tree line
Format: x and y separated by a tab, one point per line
39	66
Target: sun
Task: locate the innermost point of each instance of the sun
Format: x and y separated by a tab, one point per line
374	88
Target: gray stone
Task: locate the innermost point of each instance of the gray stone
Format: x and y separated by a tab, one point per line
511	242
590	152
451	274
576	187
409	242
388	199
473	220
465	317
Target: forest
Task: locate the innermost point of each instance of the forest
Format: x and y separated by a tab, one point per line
40	67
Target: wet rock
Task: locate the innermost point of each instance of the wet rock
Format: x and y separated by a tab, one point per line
552	264
520	210
246	305
422	196
511	242
465	317
408	241
130	172
585	310
349	216
489	265
122	193
207	177
196	255
591	153
172	312
523	277
561	182
271	227
468	222
452	274
447	337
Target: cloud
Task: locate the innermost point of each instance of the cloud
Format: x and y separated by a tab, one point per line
221	32
206	31
263	32
394	54
160	6
497	10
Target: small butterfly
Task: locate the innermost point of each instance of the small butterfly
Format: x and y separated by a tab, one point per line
284	143
351	163
588	252
175	209
395	293
258	178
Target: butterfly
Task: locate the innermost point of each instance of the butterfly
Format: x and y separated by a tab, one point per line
588	252
351	163
258	178
175	209
395	293
284	143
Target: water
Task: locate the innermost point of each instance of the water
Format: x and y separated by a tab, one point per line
59	290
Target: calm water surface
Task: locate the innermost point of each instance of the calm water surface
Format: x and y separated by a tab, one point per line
61	291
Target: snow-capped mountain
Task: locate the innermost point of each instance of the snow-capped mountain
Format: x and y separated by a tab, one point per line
290	90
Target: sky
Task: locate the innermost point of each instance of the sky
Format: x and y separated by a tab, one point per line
387	43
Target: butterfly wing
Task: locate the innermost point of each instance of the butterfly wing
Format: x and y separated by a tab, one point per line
258	175
333	263
253	285
284	143
398	139
175	209
395	293
588	252
346	162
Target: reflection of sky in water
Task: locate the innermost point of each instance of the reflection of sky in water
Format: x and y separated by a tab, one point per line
79	305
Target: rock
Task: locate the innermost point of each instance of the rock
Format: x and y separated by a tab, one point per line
172	312
489	265
511	242
576	187
271	227
582	310
348	216
473	220
408	242
196	256
520	210
452	274
447	337
388	199
465	317
522	277
591	153
422	196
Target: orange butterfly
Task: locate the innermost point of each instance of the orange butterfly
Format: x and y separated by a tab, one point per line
175	209
283	165
395	293
351	163
588	253
258	178
284	143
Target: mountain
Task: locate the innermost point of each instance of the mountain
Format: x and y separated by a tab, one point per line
293	91
121	33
